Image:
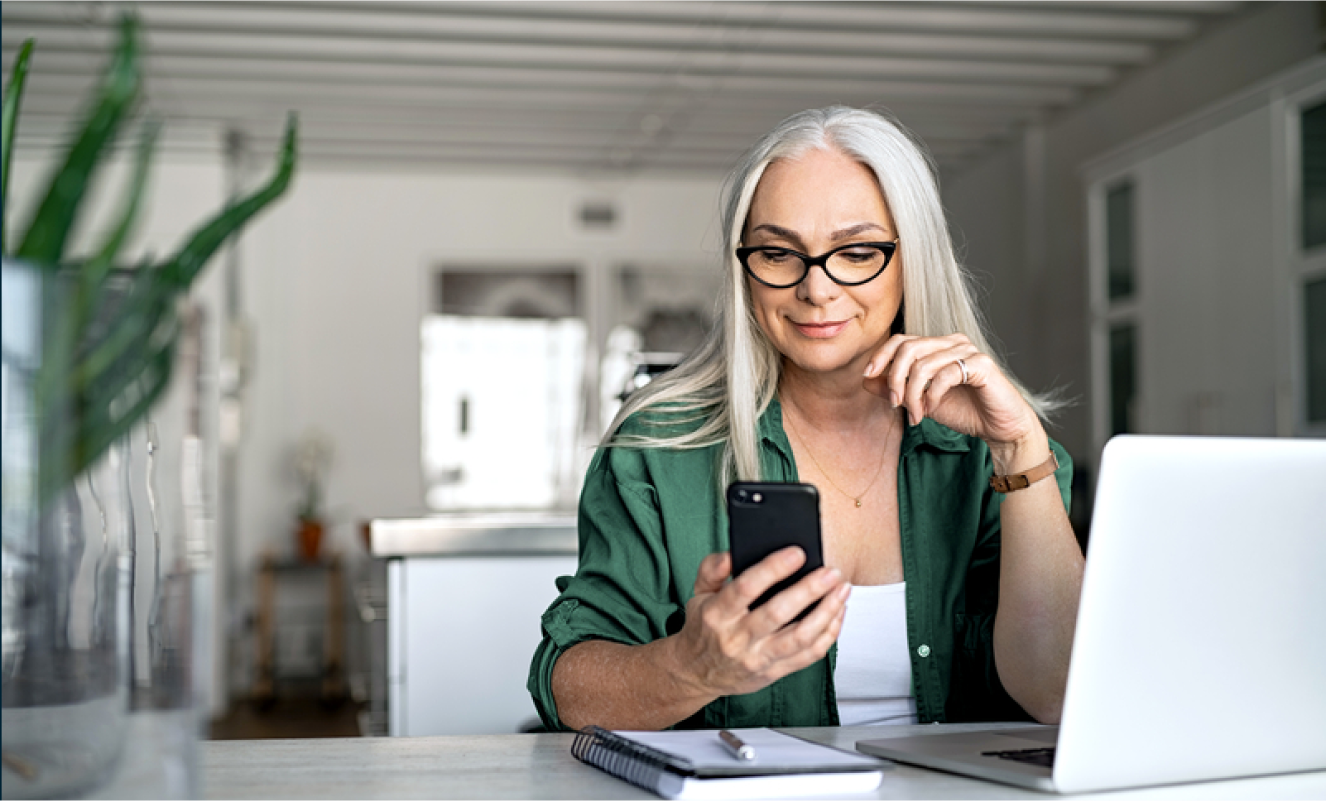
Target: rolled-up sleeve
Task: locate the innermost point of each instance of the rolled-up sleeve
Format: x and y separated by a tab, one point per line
622	589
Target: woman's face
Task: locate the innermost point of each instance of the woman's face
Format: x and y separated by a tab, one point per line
819	201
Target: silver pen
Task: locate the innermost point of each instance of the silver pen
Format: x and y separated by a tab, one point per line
734	744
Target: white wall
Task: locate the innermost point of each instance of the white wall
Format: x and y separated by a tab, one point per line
336	281
1206	301
1036	250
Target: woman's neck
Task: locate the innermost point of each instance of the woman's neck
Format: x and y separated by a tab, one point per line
837	401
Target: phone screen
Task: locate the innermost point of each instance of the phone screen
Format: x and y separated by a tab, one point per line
764	517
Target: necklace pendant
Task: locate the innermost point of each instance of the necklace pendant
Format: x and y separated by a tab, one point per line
858	503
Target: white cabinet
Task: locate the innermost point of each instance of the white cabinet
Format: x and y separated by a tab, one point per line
465	594
462	634
462	630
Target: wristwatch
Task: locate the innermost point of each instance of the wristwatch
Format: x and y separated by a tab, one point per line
1017	481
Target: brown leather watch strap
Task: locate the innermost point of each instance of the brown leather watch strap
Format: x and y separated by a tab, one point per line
1019	481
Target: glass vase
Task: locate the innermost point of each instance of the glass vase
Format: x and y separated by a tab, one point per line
103	587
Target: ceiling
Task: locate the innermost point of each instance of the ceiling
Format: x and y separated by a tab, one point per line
588	87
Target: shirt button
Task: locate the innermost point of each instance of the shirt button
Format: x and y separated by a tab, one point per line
923	651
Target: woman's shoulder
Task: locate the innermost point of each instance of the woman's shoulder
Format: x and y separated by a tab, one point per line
659	444
660	424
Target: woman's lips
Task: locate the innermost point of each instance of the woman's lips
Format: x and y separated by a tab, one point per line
820	330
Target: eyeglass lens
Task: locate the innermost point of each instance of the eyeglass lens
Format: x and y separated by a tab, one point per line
854	264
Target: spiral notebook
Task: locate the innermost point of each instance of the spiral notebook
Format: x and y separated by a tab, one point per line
696	765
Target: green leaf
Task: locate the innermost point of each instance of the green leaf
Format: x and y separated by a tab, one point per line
92	278
207	238
131	333
92	423
44	242
13	96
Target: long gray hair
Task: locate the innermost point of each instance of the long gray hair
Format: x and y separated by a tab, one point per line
728	382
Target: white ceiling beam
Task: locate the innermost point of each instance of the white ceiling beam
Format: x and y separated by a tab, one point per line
166	87
76	73
69	91
981	17
735	133
349	49
1187	7
279	20
314	155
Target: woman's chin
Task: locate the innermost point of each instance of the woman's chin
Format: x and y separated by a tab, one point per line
825	361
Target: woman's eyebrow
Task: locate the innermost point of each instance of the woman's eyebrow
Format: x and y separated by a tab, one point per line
777	230
859	228
853	230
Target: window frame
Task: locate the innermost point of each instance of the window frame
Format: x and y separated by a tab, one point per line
1302	265
1107	314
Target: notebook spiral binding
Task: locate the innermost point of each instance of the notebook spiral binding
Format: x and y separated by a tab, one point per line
631	761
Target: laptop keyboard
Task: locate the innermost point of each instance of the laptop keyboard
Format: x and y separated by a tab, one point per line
1032	756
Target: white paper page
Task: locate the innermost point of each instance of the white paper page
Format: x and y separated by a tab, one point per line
705	750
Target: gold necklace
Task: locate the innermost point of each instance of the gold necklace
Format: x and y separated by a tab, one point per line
825	473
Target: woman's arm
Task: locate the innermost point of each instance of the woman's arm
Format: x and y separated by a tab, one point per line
1040	568
1040	580
723	648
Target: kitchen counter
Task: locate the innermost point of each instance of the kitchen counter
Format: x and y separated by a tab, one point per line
476	534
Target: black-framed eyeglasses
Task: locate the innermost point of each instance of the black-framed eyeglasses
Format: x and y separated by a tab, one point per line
849	265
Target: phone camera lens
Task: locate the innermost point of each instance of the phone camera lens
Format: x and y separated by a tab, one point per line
742	495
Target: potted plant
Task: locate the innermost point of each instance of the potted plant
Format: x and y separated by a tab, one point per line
313	456
90	346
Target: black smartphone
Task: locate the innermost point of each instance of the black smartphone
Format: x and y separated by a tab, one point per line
764	517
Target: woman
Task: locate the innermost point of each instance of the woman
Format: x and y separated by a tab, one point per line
849	356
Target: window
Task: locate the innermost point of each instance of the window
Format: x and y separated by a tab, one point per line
1314	316
1123	377
1313	144
1308	264
1119	241
1115	298
502	378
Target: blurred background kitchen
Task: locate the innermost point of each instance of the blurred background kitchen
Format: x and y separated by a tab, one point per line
505	218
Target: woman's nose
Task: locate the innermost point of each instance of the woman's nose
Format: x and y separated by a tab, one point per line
817	288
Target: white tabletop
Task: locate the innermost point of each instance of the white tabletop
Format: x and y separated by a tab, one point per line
538	766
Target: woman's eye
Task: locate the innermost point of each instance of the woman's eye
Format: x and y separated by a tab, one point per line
774	256
859	254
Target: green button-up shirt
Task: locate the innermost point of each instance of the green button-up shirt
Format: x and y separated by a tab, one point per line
648	516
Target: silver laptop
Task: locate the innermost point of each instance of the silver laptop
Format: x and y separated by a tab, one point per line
1200	650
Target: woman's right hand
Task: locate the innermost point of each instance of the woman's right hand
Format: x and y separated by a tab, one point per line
725	648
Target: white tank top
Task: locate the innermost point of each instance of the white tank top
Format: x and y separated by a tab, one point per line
873	674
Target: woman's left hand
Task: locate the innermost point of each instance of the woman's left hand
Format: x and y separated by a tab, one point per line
923	375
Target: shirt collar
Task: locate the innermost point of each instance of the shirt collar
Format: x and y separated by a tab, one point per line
771	429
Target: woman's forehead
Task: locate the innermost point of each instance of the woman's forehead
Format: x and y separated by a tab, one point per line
818	188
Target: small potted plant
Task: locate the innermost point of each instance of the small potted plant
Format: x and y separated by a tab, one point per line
313	456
